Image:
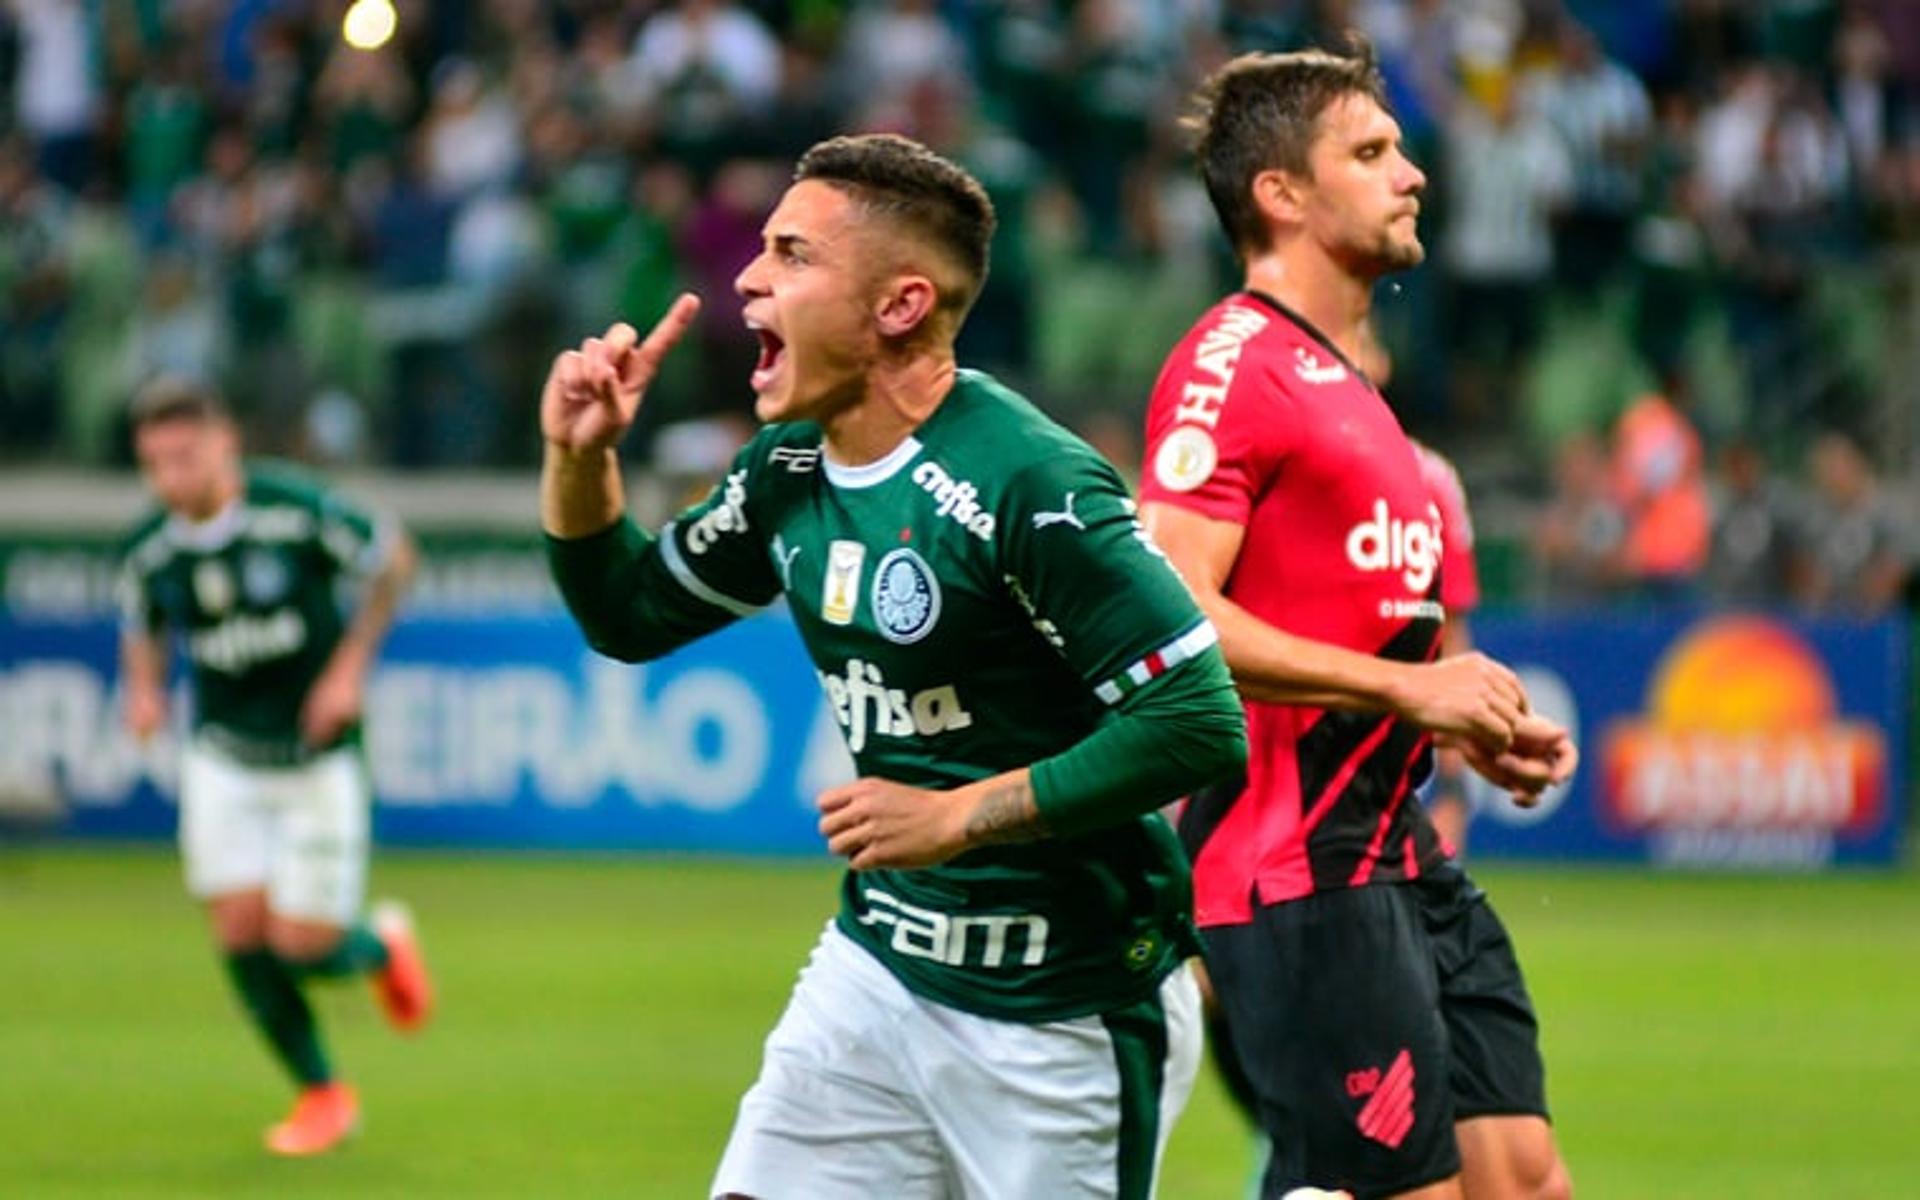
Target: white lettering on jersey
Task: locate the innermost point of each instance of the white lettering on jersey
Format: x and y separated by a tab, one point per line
864	704
955	498
242	641
923	933
728	516
1412	610
1218	356
1045	628
1308	366
1140	533
1387	543
797	460
1066	516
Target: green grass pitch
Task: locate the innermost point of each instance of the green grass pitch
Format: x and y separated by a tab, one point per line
1746	1037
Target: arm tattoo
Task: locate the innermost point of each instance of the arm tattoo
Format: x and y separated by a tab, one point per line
1004	815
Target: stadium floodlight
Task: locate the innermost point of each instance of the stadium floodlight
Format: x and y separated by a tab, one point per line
369	24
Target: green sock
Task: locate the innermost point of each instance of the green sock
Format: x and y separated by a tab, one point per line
281	1013
359	951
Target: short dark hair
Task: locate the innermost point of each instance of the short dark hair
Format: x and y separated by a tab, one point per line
1261	112
175	398
899	179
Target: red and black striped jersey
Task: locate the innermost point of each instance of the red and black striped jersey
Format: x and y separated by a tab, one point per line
1258	419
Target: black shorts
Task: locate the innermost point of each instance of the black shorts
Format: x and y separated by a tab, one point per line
1370	1020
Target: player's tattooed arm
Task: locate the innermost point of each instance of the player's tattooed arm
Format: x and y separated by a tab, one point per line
1006	813
879	823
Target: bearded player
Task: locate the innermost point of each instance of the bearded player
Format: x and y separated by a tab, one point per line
1372	993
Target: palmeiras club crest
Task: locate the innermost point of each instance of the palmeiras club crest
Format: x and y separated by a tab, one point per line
906	597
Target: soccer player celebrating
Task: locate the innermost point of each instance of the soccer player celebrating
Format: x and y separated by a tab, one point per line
1001	1006
245	561
1372	993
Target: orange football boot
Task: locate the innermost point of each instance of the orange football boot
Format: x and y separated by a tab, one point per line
324	1116
403	986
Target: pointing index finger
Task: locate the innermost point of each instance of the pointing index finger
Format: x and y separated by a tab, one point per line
672	326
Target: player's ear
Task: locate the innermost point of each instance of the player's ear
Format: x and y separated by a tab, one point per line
905	304
1278	194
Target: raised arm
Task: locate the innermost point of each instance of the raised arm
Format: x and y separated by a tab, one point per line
636	596
587	405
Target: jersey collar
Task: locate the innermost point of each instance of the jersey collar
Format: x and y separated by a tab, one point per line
210	534
870	474
1307	327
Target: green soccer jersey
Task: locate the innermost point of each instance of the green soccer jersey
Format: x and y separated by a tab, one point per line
974	602
255	594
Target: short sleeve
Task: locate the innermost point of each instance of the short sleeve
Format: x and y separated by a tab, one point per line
138	612
354	540
1076	558
1213	447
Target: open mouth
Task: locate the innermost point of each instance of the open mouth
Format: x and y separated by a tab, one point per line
773	352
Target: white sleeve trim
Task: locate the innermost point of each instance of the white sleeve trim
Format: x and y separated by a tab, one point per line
1158	662
683	574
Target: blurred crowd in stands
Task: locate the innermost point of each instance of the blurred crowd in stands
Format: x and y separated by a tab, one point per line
1671	241
1648	520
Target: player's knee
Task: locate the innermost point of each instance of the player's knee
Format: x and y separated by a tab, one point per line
239	923
1509	1158
1539	1174
301	944
1558	1184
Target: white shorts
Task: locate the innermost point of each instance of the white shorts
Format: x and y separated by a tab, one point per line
867	1090
299	832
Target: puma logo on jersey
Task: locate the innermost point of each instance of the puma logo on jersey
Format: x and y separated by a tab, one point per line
865	706
728	516
955	499
1309	367
1065	516
784	556
1218	357
1387	543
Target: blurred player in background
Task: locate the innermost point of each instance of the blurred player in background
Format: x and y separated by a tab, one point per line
245	563
1447	800
1446	791
1001	1008
1373	995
